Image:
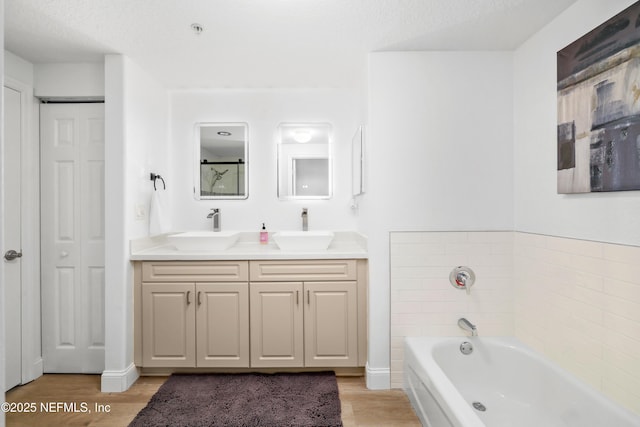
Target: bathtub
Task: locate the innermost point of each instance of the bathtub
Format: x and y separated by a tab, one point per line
500	383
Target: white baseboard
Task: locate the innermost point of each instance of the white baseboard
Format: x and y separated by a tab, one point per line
378	378
119	381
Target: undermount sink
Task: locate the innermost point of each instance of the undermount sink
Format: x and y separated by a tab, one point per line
303	240
204	240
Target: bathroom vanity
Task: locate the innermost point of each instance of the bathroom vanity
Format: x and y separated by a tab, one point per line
250	306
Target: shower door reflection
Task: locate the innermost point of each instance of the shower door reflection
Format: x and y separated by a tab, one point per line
222	178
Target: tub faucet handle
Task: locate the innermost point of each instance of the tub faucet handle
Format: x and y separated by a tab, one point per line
462	278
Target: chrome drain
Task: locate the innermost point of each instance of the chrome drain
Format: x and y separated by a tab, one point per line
466	348
479	406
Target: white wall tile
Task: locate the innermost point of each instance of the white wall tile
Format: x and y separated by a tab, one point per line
579	303
579	247
590	281
490	237
622	307
625	290
624	328
622	253
622	361
466	248
445	236
622	271
619	342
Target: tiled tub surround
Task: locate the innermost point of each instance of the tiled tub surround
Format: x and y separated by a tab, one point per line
423	302
576	301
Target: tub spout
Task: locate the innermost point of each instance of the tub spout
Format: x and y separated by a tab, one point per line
468	326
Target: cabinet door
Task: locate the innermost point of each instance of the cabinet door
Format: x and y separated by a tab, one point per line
276	324
168	324
222	324
330	320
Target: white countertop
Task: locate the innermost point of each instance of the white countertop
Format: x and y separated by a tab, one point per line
345	244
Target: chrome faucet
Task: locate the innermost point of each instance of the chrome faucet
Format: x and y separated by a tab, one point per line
305	219
468	326
215	214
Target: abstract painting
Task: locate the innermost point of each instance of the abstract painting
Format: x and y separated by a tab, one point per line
599	108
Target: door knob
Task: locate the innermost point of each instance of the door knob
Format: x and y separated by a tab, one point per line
11	255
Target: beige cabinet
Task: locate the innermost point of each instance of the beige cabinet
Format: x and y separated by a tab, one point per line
298	323
330	324
168	316
222	325
193	324
258	314
276	325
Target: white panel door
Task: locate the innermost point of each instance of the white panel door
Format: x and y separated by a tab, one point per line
12	228
72	227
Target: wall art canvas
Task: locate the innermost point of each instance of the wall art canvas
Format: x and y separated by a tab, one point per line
599	108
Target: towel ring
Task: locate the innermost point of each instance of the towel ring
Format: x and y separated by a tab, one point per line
154	177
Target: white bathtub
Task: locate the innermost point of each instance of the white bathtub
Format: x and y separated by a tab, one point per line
518	387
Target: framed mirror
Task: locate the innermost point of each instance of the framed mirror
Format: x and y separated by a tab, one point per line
221	161
304	161
357	162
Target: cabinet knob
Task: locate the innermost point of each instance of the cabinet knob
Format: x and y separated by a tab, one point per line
188	297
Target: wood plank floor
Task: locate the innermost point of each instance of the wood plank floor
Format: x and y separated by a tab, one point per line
360	407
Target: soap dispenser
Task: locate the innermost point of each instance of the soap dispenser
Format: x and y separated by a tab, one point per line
264	235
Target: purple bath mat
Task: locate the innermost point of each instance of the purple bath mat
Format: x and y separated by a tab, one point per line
239	400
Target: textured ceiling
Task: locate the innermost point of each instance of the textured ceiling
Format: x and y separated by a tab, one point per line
264	43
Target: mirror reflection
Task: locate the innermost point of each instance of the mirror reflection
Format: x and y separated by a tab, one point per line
221	171
304	161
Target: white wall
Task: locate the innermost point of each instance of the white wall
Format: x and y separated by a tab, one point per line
136	117
147	133
263	110
19	69
607	217
439	157
69	80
